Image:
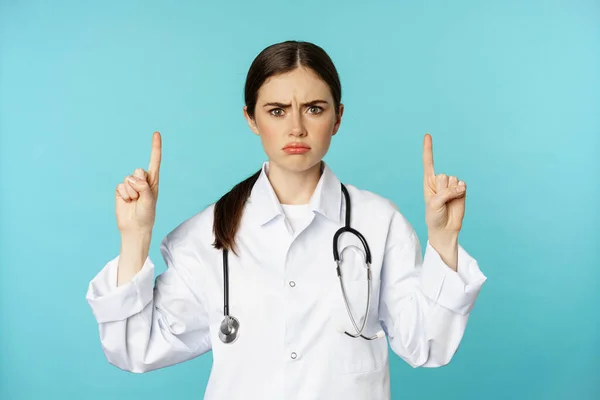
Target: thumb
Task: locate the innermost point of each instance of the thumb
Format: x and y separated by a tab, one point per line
140	173
145	177
446	195
141	186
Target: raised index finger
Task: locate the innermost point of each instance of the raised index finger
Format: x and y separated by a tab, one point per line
155	156
428	156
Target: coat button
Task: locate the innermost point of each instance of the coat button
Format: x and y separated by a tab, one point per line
292	283
293	355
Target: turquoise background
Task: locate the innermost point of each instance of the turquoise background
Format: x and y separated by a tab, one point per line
509	90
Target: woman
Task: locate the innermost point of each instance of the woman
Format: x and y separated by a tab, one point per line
297	338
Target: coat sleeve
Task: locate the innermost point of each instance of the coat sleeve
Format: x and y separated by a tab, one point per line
424	304
145	324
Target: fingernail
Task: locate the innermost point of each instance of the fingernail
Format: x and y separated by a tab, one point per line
460	188
132	180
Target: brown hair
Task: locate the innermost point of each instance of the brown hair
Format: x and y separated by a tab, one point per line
274	60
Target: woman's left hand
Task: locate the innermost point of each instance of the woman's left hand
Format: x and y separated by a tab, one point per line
444	197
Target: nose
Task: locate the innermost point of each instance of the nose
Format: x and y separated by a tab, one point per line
298	129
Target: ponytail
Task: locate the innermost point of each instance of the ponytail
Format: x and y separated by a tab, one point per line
228	213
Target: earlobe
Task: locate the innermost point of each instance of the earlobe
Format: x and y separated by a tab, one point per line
251	121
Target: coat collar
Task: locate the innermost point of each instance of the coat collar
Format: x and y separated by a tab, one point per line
325	200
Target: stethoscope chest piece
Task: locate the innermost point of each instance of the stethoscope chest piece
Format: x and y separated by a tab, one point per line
229	329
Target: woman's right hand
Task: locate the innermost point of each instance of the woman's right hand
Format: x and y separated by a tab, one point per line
137	195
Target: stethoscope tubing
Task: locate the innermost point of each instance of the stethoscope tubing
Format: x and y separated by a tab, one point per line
229	329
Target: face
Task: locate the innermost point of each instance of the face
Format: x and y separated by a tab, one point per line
295	119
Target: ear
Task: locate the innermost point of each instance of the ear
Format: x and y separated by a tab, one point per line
338	121
251	121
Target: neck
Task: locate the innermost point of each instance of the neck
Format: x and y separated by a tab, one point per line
294	187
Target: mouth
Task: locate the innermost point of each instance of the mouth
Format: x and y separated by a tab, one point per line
296	148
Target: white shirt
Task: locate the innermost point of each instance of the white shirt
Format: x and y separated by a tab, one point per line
297	215
284	289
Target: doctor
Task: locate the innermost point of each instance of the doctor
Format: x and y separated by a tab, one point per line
299	322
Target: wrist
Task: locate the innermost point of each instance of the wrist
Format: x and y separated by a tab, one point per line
136	242
445	240
136	236
134	251
446	245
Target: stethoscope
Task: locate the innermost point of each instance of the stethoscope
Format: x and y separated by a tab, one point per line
230	326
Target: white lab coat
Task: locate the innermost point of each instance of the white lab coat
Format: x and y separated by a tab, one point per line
285	291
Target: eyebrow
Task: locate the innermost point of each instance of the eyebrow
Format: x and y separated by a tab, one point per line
282	105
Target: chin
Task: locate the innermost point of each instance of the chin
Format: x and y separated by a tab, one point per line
296	163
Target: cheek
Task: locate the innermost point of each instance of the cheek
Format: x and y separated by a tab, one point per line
321	129
268	133
268	141
266	126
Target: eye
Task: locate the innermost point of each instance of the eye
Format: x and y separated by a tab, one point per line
315	110
276	112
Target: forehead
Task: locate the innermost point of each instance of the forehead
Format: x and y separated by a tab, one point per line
302	83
